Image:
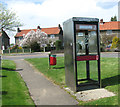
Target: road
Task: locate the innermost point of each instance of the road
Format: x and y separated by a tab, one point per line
110	54
43	55
25	56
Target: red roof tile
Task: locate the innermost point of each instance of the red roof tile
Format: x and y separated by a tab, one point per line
114	25
53	30
24	32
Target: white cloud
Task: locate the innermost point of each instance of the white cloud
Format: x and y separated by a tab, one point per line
49	13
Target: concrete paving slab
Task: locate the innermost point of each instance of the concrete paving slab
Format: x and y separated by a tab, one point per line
43	91
93	94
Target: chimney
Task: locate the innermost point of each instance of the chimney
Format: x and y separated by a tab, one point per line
59	26
61	31
18	29
101	21
38	27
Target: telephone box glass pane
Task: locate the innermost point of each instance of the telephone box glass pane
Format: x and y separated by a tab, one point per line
86	40
80	43
93	42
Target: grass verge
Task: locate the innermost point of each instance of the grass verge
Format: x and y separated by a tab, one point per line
14	91
109	75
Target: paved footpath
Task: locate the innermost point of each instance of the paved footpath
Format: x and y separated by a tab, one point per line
42	91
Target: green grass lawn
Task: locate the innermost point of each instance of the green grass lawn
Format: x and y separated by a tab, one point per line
14	91
109	75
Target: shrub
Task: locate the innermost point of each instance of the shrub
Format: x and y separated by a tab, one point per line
102	47
15	47
20	47
115	42
58	44
48	48
35	47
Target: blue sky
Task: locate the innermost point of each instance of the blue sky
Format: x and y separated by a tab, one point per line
50	13
107	4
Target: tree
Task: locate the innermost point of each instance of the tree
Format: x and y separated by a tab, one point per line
36	38
35	47
58	44
114	18
8	19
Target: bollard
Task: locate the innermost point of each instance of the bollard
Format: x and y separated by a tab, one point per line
9	51
23	50
30	50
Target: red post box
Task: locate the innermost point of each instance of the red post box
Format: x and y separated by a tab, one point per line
52	59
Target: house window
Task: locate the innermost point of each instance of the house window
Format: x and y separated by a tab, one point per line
52	36
20	38
109	32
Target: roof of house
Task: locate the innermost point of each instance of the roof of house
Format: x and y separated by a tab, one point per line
53	30
113	25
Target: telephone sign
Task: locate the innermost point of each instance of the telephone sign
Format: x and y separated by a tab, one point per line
85	27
